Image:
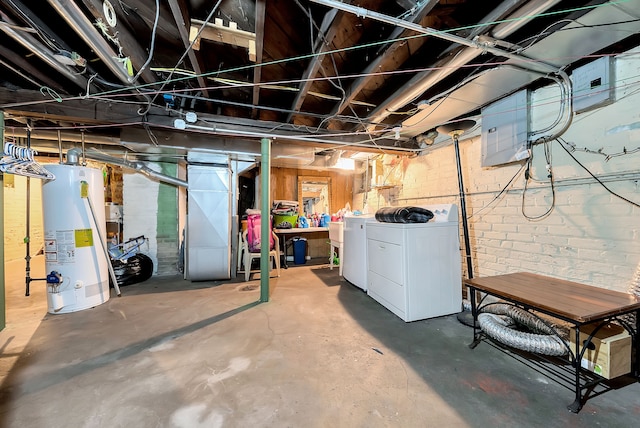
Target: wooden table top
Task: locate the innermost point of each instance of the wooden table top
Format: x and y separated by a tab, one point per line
574	301
301	230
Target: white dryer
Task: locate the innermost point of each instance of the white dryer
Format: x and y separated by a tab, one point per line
414	270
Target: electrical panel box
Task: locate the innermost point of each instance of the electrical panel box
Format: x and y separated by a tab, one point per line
593	85
505	128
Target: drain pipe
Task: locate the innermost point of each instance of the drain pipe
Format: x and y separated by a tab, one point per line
136	166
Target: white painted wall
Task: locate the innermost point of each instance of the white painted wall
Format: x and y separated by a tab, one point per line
590	236
140	210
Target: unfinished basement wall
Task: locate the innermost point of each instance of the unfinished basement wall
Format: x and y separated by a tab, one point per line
15	219
590	235
150	208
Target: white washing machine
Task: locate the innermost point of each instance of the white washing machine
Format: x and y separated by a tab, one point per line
414	269
354	260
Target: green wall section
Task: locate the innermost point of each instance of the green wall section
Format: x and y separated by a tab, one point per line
167	225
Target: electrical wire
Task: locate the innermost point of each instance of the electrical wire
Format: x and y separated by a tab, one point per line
547	154
185	53
324	53
563	144
504	189
366	45
153	43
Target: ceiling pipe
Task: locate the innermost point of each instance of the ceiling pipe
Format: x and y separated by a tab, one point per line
421	82
522	16
74	16
30	43
69	136
136	166
367	141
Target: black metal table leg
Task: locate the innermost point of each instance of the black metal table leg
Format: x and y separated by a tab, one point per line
474	313
577	404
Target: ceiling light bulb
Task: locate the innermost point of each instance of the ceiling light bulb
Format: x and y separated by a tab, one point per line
179	124
191	117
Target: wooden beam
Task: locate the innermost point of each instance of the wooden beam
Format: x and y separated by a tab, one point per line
329	28
181	16
359	84
261	8
21	63
128	42
218	32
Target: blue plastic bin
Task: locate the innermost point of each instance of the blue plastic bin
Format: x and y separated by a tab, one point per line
299	250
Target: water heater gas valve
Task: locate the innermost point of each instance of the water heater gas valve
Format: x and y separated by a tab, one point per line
54	278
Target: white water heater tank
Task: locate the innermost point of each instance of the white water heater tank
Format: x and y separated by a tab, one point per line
72	246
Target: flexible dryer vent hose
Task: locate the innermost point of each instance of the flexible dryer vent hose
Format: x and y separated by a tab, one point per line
545	341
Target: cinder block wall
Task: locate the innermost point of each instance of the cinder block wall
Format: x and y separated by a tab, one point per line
590	236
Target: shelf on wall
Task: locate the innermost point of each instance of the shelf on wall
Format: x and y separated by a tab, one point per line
384	186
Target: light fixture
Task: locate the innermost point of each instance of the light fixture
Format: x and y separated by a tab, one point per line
427	138
346	164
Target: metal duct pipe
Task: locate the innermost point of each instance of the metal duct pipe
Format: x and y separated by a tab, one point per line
74	16
136	166
30	43
516	20
65	136
499	329
423	81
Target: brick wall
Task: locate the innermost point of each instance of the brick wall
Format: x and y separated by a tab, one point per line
15	200
590	236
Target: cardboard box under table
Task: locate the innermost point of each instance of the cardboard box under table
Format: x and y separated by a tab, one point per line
609	354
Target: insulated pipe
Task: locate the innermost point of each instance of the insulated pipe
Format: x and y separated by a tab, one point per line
529	11
74	16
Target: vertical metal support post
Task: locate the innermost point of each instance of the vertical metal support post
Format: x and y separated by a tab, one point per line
2	302
265	218
463	210
60	147
27	238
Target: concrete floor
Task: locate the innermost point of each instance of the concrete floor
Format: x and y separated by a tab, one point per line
321	353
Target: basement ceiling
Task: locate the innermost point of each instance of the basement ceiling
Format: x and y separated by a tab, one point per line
160	78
